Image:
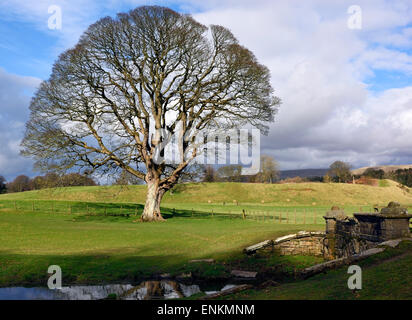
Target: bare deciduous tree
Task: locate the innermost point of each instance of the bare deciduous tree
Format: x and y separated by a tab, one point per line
130	76
209	174
19	184
340	170
231	173
269	172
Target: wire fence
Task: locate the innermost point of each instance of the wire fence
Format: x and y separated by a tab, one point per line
281	215
63	207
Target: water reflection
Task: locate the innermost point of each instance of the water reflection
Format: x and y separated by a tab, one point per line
147	290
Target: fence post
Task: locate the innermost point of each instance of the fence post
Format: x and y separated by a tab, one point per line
243	214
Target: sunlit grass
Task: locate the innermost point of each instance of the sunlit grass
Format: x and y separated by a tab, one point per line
96	249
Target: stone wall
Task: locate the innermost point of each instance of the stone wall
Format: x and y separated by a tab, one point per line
309	245
343	246
348	236
344	236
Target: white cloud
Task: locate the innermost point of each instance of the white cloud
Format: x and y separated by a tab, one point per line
15	93
387	59
318	67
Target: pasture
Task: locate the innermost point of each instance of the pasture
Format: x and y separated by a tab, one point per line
95	235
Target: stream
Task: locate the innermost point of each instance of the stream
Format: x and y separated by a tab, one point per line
147	290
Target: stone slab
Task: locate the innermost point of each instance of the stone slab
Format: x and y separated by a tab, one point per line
202	260
184	276
367	253
390	243
227	291
260	245
244	274
285	238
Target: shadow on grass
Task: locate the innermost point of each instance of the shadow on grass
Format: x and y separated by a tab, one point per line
107	268
127	210
31	270
134	211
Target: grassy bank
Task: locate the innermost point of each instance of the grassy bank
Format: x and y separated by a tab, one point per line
99	249
284	195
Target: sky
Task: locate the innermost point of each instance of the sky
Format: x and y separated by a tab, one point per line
343	73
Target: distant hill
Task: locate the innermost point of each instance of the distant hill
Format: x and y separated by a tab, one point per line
388	168
303	173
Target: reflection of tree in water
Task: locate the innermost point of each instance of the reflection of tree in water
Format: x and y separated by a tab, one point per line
166	289
147	290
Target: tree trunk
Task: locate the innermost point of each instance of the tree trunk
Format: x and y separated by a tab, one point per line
154	196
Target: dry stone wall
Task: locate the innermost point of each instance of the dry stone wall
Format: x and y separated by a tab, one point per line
309	245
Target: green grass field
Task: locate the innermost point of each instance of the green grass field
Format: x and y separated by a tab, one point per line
94	233
98	249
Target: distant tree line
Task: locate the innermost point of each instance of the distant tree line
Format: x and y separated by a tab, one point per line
2	185
268	173
50	180
403	176
339	171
